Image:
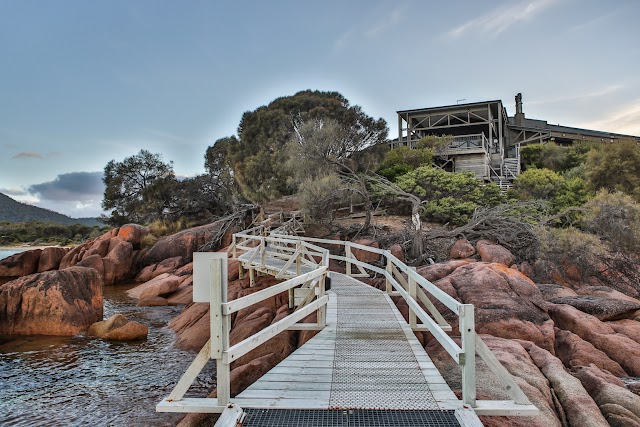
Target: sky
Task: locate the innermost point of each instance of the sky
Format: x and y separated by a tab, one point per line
86	82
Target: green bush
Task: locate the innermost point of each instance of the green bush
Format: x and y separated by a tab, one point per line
617	168
402	160
47	233
545	184
450	197
615	218
319	197
556	157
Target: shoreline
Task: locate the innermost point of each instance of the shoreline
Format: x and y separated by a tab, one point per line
28	247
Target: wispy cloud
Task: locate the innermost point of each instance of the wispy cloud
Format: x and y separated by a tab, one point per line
25	155
163	135
595	21
373	28
394	18
624	120
501	18
598	93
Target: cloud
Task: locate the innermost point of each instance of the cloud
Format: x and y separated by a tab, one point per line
394	18
13	192
500	19
625	120
599	20
71	187
390	20
24	155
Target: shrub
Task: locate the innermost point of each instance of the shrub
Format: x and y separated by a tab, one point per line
450	197
573	247
615	169
319	197
556	157
545	184
615	217
402	160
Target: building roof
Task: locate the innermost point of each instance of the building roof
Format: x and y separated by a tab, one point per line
449	107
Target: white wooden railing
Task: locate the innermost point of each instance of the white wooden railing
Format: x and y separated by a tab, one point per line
304	264
404	281
296	256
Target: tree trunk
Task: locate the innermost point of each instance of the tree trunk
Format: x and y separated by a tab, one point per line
368	210
418	245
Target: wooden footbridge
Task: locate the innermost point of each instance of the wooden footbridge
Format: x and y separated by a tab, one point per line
365	367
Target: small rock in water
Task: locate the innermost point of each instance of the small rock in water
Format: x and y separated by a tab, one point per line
119	328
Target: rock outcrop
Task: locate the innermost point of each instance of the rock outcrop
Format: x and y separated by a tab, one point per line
50	258
620	406
578	407
576	352
462	249
20	264
618	347
118	328
182	244
492	252
62	302
507	303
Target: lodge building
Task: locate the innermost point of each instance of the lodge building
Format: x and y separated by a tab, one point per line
484	139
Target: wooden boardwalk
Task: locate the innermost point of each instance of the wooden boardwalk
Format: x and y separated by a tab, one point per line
367	357
365	363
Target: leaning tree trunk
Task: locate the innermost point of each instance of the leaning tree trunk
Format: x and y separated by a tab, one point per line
418	243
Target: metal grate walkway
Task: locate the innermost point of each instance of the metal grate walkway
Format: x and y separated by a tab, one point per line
374	366
347	418
365	368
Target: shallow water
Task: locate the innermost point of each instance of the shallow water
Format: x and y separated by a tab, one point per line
4	253
78	381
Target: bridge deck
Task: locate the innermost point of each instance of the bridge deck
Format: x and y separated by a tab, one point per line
366	358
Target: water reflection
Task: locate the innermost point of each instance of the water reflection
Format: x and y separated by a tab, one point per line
83	381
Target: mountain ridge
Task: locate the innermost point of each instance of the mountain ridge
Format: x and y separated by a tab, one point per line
13	211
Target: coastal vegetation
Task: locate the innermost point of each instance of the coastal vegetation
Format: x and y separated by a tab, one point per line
47	233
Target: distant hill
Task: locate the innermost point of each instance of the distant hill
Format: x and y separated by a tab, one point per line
14	211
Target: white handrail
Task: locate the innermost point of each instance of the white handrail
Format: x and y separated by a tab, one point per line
472	344
414	290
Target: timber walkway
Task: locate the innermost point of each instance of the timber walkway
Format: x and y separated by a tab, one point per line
365	367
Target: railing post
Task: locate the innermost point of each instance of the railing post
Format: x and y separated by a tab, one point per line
468	335
220	326
413	293
298	248
322	311
263	250
347	254
388	286
235	252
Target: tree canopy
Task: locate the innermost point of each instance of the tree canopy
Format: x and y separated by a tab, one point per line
259	155
615	169
138	188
